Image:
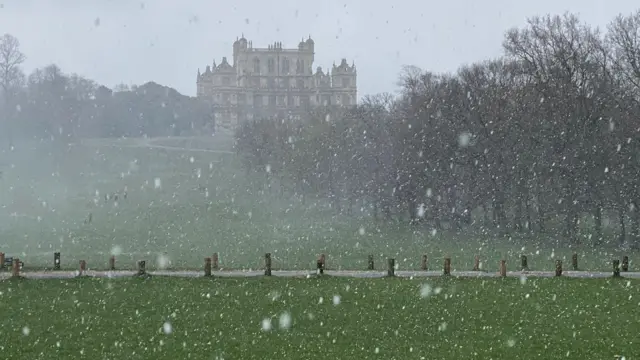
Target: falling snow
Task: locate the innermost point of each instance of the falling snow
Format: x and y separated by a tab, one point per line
266	324
336	299
503	158
284	320
167	328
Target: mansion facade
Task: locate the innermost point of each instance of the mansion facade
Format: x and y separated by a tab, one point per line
273	81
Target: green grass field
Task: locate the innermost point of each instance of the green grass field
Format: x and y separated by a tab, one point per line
328	318
47	192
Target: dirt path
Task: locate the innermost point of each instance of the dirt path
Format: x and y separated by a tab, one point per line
306	273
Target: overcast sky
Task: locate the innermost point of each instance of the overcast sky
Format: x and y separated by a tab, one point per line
114	41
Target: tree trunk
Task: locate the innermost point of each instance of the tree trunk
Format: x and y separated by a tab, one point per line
500	215
571	213
351	204
332	192
517	218
413	209
386	209
571	222
375	208
635	226
527	209
485	212
597	219
623	231
541	218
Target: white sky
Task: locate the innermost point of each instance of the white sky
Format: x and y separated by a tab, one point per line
114	41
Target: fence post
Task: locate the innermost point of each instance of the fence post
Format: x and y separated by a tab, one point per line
558	267
391	268
142	267
625	263
616	268
503	268
476	263
370	263
207	266
320	264
2	267
267	264
56	261
15	268
214	261
574	261
447	266
423	264
83	268
112	263
524	265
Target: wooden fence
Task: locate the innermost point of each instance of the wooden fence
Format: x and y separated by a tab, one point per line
212	263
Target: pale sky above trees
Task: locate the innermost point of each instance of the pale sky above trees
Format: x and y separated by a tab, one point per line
167	41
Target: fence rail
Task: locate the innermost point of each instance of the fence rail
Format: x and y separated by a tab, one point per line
212	267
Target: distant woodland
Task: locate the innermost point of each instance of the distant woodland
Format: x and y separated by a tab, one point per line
51	104
544	140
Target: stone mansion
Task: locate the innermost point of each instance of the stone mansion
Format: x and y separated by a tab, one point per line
273	81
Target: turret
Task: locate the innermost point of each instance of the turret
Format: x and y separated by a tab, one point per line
306	45
310	44
239	46
343	80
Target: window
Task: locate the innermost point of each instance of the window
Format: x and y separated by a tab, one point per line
300	66
305	101
272	100
345	100
346	82
271	83
290	101
242	99
226	81
256	65
256	82
281	100
300	84
225	98
285	65
257	100
271	65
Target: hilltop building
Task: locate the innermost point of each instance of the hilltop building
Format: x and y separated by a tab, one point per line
273	81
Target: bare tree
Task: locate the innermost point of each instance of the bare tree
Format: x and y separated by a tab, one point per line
10	60
11	75
543	140
624	39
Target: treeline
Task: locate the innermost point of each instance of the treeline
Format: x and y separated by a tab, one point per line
49	103
543	139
